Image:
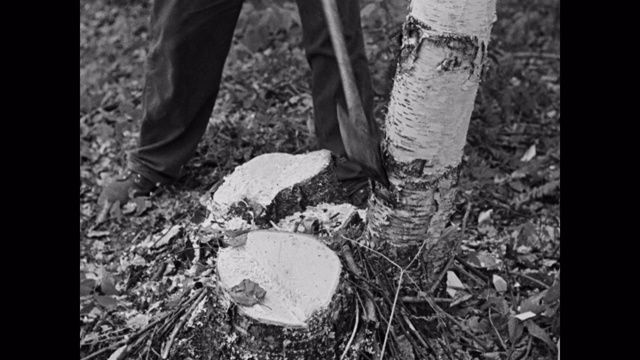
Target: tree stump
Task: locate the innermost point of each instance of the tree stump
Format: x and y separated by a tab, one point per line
272	186
282	298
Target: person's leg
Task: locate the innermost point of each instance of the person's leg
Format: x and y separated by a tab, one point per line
326	84
190	40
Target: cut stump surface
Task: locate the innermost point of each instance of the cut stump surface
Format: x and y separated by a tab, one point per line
300	308
298	272
272	186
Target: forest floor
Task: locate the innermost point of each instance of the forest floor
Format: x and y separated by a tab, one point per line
504	294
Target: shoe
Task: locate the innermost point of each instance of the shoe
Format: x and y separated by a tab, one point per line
358	191
128	186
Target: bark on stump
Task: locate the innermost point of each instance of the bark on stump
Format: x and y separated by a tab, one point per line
303	314
272	186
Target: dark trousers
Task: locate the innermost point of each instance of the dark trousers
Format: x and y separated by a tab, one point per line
190	40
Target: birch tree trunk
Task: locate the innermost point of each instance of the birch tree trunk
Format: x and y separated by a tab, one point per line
443	49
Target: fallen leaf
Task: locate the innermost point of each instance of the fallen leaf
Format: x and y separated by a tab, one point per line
104	212
235	233
107	286
172	233
119	353
539	333
517	185
478	325
529	154
499	283
527	235
138	261
453	283
128	208
237	241
406	349
483	259
533	303
114	212
97	234
499	304
90	337
492	356
460	297
247	293
142	204
87	308
368	10
515	327
138	322
484	216
106	281
525	315
196	269
553	293
87	286
548	262
107	301
472	259
550	310
311	225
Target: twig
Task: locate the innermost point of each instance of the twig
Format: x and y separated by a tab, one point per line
447	348
530	279
104	337
456	249
348	221
295	229
469	275
353	334
420	300
371	310
105	349
395	300
131	347
149	344
348	258
185	316
127	341
439	310
504	347
414	331
393	309
511	348
176	314
98	341
472	269
526	54
372	250
526	354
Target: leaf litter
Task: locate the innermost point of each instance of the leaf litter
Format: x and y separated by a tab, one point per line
511	167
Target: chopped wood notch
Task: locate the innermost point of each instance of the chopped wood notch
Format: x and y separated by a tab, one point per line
272	186
298	272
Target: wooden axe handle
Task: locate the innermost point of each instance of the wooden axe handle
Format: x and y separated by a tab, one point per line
340	48
360	135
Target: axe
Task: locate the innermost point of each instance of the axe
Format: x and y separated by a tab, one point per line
361	136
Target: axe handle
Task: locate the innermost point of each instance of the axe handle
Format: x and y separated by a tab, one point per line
340	48
360	134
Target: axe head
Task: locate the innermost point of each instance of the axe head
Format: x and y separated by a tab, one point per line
361	140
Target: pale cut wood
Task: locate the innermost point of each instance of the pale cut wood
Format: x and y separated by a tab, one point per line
272	186
299	273
304	314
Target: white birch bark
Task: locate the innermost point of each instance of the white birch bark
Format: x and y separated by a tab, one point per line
443	50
